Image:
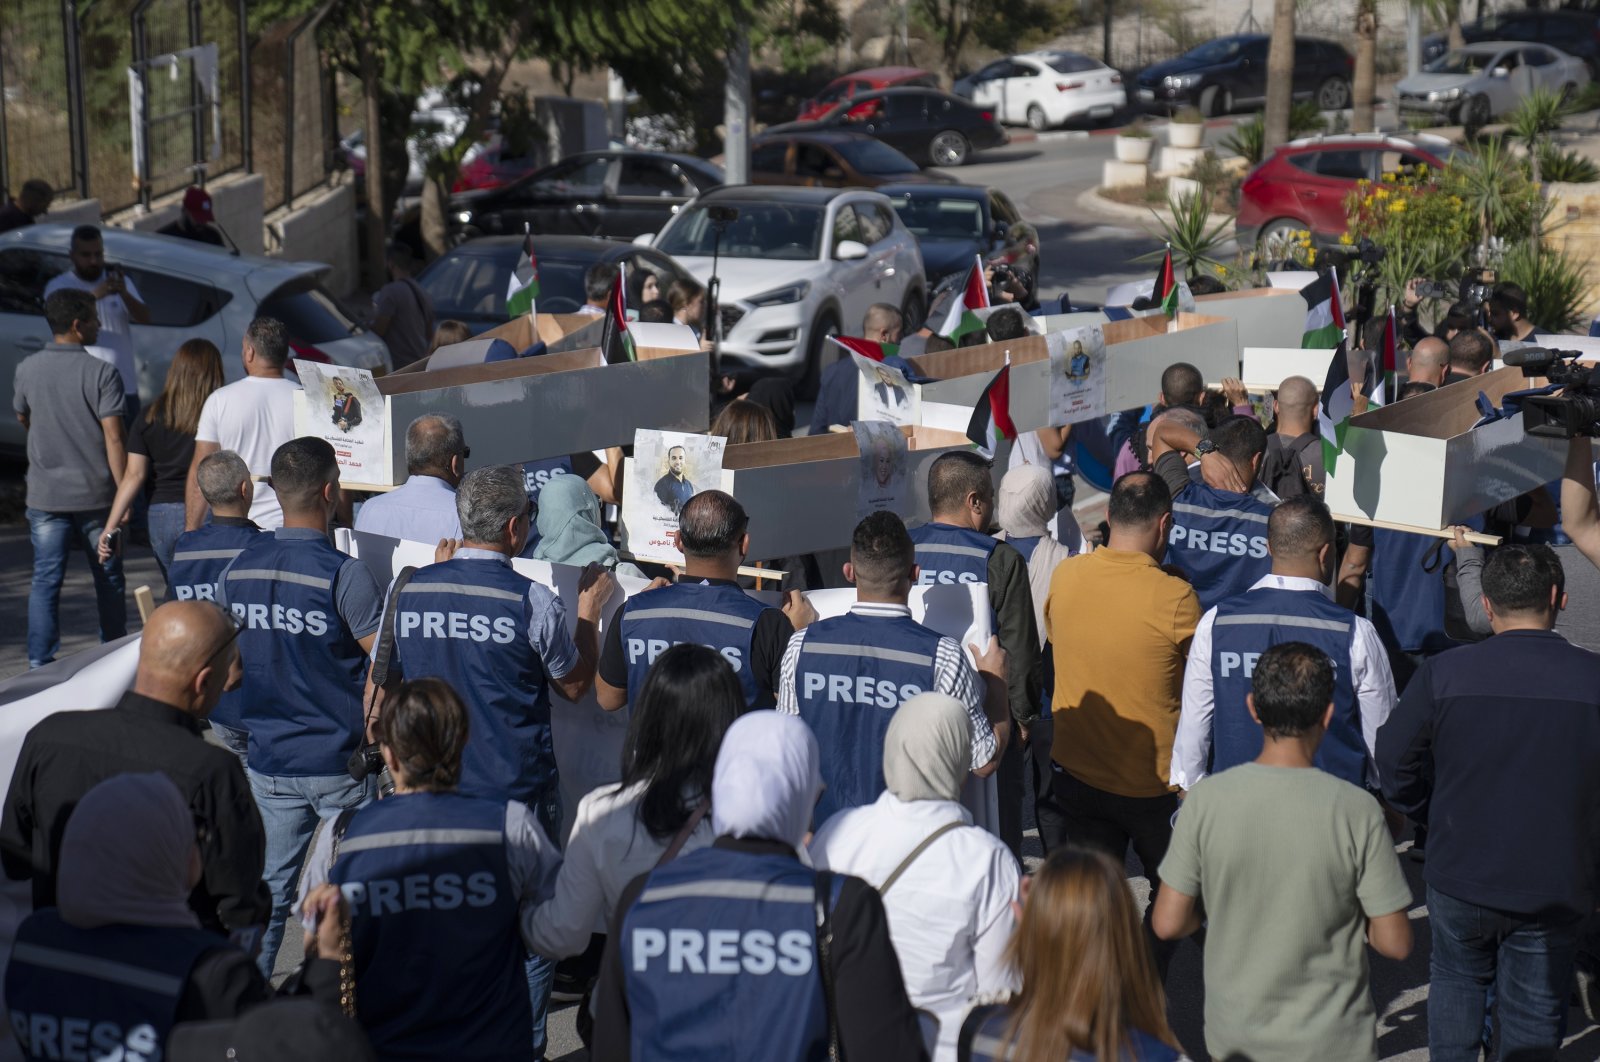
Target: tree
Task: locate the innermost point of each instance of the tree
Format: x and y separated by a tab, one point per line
1365	85
1280	76
1002	25
1448	12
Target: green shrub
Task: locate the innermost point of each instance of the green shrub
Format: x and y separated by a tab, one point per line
1557	289
1566	166
1247	139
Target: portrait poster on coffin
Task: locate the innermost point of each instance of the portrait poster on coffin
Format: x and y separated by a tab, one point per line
668	468
886	394
884	465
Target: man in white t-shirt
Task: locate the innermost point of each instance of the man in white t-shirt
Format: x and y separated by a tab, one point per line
117	301
252	417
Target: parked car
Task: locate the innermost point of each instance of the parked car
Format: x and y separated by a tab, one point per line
1230	73
1472	85
930	127
832	158
1575	32
1303	184
796	266
470	281
494	165
848	86
953	223
193	290
615	194
1046	89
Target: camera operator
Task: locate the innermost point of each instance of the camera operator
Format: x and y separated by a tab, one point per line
1009	283
1507	309
437	977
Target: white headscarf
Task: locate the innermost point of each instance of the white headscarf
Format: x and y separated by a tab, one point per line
125	855
1024	507
767	780
928	749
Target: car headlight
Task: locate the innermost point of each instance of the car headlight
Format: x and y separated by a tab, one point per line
1180	81
464	216
1445	94
779	296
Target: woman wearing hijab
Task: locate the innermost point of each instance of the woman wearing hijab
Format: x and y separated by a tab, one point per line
1024	507
745	911
569	527
121	958
1089	988
948	886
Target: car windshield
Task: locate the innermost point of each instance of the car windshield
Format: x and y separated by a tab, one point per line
476	285
309	313
936	218
875	157
1070	63
784	231
833	92
1215	51
1460	63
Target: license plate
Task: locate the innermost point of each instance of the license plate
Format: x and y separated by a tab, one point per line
1147	94
1102	112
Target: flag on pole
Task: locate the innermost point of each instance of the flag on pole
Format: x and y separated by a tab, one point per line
525	283
991	418
1333	413
866	347
616	340
1382	390
1165	292
1324	316
960	320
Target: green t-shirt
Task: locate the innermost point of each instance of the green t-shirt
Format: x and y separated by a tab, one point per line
1288	864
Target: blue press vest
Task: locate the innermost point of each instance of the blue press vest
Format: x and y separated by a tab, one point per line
990	1025
1219	541
1408	601
718	616
102	993
535	474
720	959
198	560
853	673
433	931
1247	626
466	621
303	668
948	554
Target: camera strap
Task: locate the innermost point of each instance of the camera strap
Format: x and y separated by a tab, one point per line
384	650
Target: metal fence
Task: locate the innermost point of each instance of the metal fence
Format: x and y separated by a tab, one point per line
217	99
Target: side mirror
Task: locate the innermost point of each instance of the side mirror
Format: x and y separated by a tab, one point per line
850	251
1002	231
1500	71
645	239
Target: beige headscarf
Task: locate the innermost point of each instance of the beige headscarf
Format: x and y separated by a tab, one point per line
1024	507
125	855
928	749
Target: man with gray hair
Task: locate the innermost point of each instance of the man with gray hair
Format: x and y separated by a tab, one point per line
501	641
252	417
424	507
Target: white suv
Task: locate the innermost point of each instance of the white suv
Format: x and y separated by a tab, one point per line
797	265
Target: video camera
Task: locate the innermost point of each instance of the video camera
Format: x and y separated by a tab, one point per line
1573	413
1366	252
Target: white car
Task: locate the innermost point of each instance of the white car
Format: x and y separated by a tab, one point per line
797	265
194	291
1046	89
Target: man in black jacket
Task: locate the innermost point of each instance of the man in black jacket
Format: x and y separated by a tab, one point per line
187	657
1494	747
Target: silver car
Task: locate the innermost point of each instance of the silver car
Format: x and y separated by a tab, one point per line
193	290
1475	84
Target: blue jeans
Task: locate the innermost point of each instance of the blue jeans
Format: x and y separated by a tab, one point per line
290	809
540	970
166	524
235	741
53	536
1525	961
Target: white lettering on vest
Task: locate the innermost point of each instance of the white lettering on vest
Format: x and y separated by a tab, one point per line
197	592
1227	543
462	626
82	1040
533	481
420	892
929	578
726	952
858	689
279	618
647	649
1232	662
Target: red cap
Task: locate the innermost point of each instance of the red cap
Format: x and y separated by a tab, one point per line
197	204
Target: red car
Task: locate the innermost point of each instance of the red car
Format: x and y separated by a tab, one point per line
1304	184
849	86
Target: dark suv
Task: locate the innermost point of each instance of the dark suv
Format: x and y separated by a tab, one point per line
1231	73
1575	32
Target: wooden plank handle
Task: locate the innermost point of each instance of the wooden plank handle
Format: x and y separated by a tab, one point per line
146	602
1473	537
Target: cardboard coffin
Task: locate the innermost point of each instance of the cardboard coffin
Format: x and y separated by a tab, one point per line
1420	462
1137	350
1262	369
1267	317
531	408
558	331
801	493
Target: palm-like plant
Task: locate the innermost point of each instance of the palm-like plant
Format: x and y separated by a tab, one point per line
1556	285
1191	235
1538	115
1487	175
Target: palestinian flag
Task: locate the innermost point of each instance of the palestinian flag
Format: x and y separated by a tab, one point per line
615	339
1324	315
960	320
1333	414
525	282
1382	389
1165	292
991	419
866	347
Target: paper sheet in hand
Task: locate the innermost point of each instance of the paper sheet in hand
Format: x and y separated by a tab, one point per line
885	394
1077	375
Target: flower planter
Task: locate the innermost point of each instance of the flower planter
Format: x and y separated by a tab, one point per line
1185	134
1133	148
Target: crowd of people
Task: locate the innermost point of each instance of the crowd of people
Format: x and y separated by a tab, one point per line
1264	706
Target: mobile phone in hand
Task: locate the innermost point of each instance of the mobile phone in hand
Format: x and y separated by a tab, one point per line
113	539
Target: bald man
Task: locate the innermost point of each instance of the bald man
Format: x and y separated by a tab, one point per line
1293	465
838	393
1428	362
188	656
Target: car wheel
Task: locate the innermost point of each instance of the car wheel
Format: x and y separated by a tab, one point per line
949	148
1278	227
1568	92
1036	118
1475	112
1333	94
912	311
1215	102
826	324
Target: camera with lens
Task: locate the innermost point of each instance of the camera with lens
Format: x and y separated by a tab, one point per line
367	762
1575	411
1365	251
1432	289
1009	278
1476	288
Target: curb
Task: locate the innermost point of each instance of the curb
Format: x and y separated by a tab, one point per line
1056	136
1092	201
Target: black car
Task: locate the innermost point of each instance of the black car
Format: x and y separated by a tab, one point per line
929	127
614	194
470	282
954	223
1575	32
1230	73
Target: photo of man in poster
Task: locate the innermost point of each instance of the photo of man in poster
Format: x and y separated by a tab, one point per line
346	407
674	488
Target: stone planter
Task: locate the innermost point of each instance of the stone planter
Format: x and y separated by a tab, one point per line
1181	188
1185	134
1134	148
1118	174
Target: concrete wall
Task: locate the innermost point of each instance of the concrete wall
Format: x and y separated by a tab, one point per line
236	200
320	228
77	212
1575	229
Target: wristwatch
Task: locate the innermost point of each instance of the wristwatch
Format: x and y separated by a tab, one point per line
1203	447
